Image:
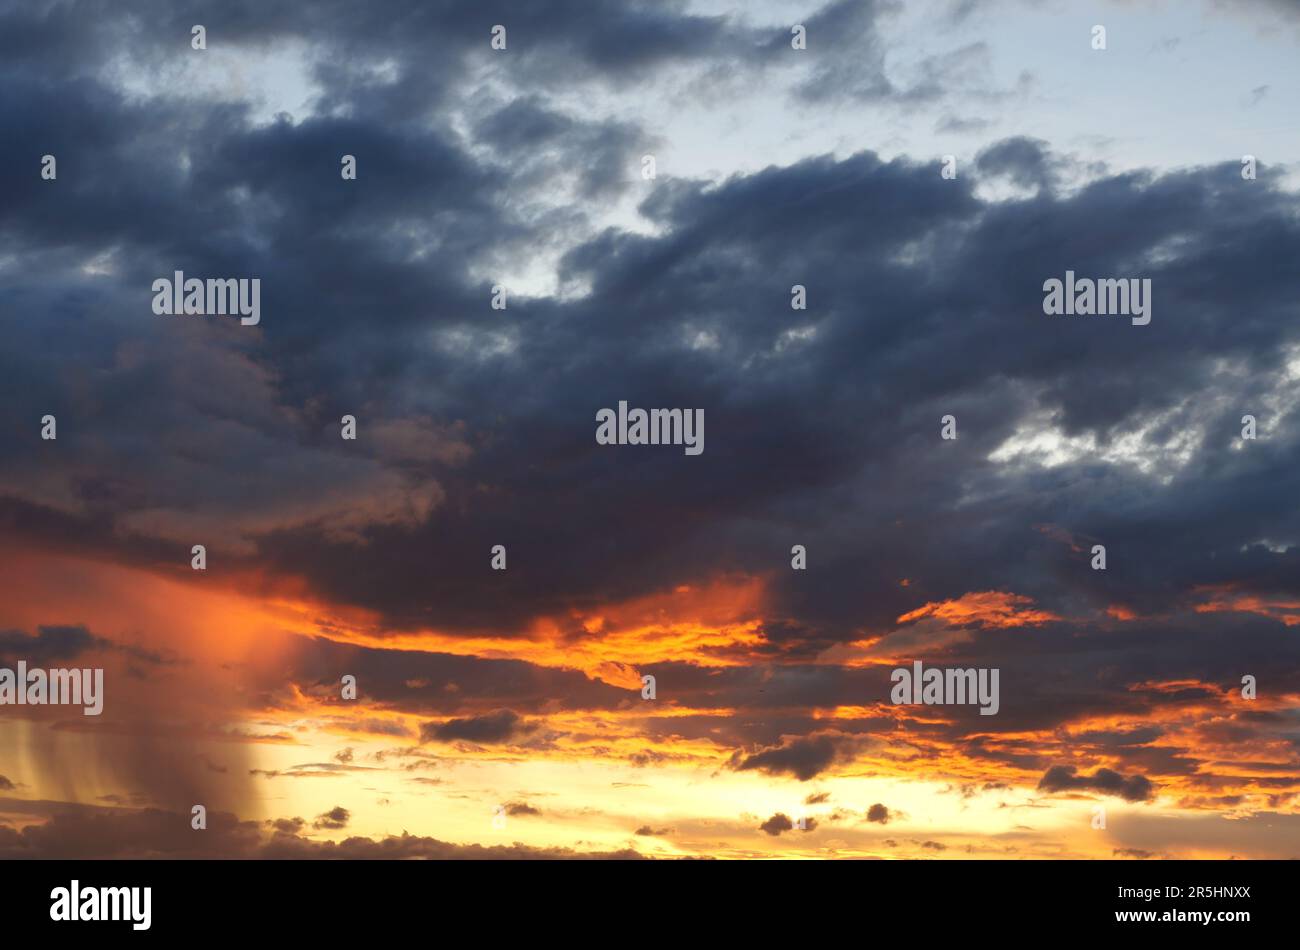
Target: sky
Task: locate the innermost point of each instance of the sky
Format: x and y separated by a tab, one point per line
504	713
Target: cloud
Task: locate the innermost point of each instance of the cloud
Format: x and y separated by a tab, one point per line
804	757
985	609
1025	161
501	726
84	833
778	823
878	813
781	822
54	643
337	817
1062	778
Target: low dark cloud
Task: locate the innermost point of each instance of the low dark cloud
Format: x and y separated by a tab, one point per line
51	644
804	758
337	817
54	644
84	833
502	726
1062	778
780	823
1135	853
777	824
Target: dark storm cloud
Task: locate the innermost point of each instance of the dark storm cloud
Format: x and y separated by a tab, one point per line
769	412
842	421
1062	778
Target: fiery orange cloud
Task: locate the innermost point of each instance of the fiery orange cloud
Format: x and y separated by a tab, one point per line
990	608
719	623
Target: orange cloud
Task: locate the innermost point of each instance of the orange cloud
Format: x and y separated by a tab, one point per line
990	608
1223	600
719	623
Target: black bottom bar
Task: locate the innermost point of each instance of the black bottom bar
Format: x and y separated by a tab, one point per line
652	901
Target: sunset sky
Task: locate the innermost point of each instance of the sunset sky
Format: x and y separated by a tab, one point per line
499	713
